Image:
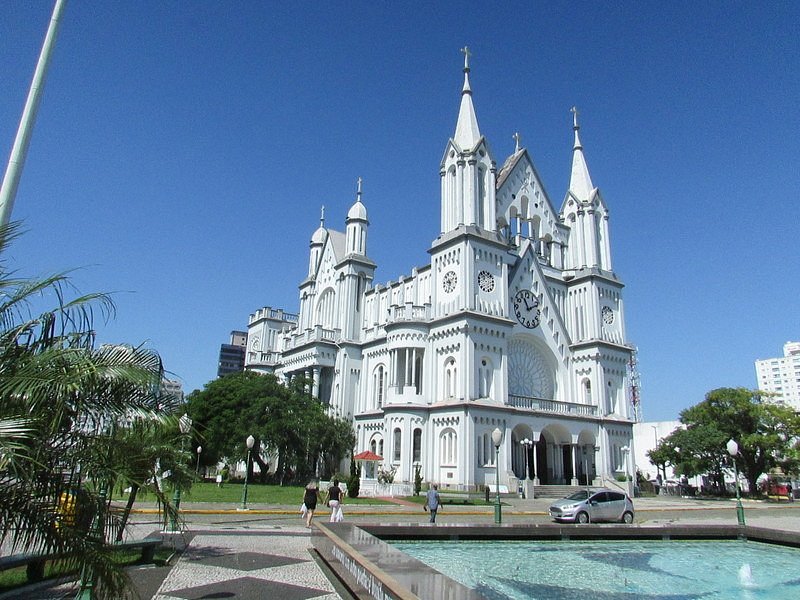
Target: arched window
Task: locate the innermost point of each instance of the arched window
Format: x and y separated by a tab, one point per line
447	447
375	445
485	378
379	385
416	452
397	445
326	309
612	398
450	382
587	391
480	217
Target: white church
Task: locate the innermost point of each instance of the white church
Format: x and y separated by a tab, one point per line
517	324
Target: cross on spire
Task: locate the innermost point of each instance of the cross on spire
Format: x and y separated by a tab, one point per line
516	137
574	112
322	217
465	51
358	192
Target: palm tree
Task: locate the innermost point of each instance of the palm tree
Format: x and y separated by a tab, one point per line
61	400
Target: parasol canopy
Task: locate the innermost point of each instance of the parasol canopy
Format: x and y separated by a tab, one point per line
367	456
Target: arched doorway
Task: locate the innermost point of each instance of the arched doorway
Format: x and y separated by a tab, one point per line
554	456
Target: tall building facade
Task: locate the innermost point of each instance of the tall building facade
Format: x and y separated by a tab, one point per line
231	355
781	376
517	324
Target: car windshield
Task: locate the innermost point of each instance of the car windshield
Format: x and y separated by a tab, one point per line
581	495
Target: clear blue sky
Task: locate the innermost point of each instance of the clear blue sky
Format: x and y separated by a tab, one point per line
183	150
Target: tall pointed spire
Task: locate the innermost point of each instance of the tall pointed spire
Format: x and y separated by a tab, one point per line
580	183
467	132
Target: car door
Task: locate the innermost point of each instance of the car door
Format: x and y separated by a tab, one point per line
615	506
597	506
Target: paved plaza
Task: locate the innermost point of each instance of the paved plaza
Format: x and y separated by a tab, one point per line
266	552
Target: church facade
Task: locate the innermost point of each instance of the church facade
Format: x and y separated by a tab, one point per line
517	324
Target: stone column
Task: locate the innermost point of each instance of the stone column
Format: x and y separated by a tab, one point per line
315	372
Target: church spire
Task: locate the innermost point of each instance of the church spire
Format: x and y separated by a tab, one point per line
580	183
357	225
467	132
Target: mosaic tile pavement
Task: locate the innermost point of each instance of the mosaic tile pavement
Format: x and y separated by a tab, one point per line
248	565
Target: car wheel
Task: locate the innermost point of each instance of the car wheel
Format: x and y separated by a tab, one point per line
627	517
582	518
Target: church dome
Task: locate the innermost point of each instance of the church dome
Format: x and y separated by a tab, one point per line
357	211
319	236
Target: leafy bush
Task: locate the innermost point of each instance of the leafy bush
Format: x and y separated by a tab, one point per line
417	480
385	476
354	483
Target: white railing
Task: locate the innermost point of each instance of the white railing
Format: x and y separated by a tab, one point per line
371	488
551	406
409	312
316	334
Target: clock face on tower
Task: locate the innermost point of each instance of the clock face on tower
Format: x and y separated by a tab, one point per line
526	309
449	281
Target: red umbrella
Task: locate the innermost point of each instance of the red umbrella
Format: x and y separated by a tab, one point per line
367	456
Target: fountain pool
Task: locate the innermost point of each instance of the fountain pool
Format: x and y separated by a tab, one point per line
615	570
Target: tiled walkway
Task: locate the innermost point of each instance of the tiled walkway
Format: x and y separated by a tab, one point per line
247	565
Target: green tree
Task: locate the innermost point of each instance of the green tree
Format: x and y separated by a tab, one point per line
765	432
695	450
288	425
60	400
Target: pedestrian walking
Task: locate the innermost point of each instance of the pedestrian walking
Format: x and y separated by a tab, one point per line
310	498
432	502
335	502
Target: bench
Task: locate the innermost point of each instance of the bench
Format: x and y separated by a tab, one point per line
35	562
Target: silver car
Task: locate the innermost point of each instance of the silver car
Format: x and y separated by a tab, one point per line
593	505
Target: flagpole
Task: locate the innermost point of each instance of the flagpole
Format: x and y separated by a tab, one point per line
8	191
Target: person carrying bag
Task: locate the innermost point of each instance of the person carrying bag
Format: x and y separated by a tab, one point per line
335	502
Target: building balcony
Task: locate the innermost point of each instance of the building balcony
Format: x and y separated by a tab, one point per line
263	359
409	312
551	406
310	336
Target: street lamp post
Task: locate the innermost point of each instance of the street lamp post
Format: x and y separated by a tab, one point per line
497	439
250	442
197	467
733	450
526	446
185	426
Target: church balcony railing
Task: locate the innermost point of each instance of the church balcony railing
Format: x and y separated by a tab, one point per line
409	312
263	358
315	334
551	406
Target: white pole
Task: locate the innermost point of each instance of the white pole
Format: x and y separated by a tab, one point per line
8	191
